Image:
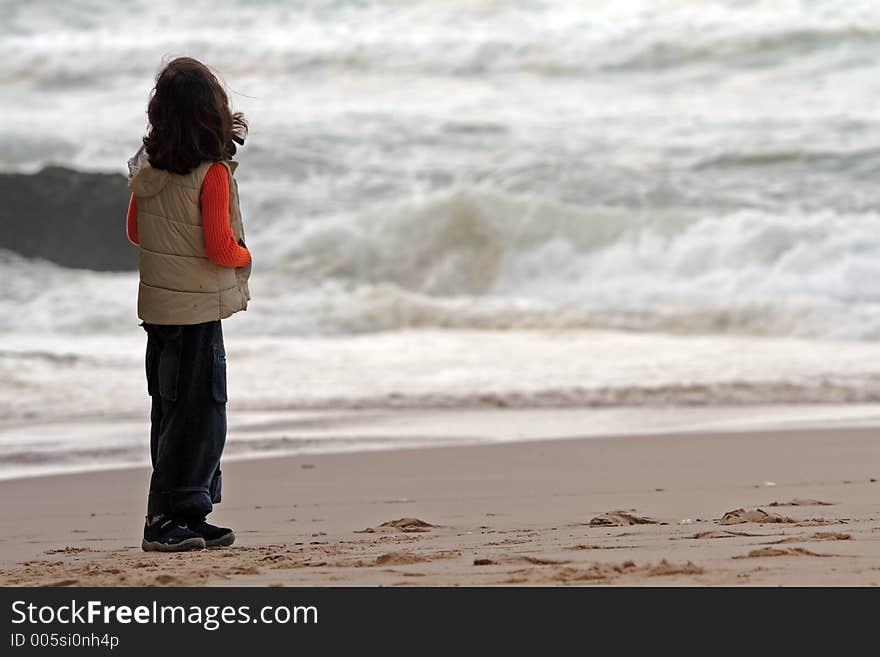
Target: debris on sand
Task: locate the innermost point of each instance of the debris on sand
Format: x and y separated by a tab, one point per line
813	522
738	516
538	561
521	559
620	519
666	568
405	558
818	536
399	559
409	525
798	501
70	550
780	552
64	582
596	572
724	533
405	525
604	572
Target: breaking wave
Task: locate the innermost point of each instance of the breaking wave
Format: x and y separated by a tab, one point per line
474	258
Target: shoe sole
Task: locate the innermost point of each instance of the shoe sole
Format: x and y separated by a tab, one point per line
224	541
183	546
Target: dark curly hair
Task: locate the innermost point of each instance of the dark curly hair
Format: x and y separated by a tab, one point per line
190	119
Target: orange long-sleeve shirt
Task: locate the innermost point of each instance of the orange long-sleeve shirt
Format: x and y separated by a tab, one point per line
220	244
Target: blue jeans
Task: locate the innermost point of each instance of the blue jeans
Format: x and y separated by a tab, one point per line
186	378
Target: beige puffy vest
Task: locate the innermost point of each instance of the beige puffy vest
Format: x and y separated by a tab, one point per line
178	283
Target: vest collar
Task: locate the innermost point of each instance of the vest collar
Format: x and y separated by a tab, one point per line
148	181
144	180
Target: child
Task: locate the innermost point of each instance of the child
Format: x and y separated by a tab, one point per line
194	268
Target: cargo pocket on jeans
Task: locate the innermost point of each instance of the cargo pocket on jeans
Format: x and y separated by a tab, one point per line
169	365
218	378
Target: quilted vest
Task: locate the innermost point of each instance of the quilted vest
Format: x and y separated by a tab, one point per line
178	283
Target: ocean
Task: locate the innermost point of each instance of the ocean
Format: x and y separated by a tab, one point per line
464	203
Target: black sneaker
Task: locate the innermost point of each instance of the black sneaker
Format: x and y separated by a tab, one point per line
214	536
170	535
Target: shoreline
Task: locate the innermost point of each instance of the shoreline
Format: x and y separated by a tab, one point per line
354	431
447	368
513	513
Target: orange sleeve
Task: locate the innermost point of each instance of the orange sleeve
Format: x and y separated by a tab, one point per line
220	244
131	221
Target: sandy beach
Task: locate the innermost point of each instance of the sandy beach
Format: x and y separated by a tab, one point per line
551	512
543	293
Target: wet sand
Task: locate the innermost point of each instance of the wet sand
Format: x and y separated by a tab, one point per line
533	513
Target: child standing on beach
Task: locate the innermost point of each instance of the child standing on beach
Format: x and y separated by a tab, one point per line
194	267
